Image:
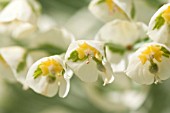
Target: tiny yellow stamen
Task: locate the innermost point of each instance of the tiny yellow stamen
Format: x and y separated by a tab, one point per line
166	15
87	50
80	53
110	5
143	58
51	66
152	52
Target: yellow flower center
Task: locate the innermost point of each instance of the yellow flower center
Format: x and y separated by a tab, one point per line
51	66
113	7
87	50
110	4
166	15
152	52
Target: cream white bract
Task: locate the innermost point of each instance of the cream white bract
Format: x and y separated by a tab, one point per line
19	17
107	10
14	62
48	76
149	64
122	32
87	60
159	30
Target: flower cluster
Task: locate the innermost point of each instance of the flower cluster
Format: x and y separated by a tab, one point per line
46	59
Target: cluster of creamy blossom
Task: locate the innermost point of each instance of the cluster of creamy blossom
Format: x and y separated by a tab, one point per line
19	18
123	36
149	64
50	74
118	47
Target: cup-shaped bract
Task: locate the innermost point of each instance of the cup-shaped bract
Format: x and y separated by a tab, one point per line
107	10
149	64
159	30
48	76
87	60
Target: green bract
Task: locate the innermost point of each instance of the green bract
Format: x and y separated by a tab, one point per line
37	72
74	57
159	21
166	52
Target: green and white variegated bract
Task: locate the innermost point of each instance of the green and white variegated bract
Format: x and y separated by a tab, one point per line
159	28
88	68
154	69
43	85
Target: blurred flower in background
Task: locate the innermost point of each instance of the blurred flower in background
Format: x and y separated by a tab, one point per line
33	29
19	17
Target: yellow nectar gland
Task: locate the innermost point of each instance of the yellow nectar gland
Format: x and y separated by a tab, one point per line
166	14
51	66
152	52
87	50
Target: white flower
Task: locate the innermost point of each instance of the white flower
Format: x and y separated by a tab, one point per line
149	64
55	36
87	60
120	37
48	76
45	23
19	29
54	41
159	30
19	17
122	32
14	63
107	10
21	10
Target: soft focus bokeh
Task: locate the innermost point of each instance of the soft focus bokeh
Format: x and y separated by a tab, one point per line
122	96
